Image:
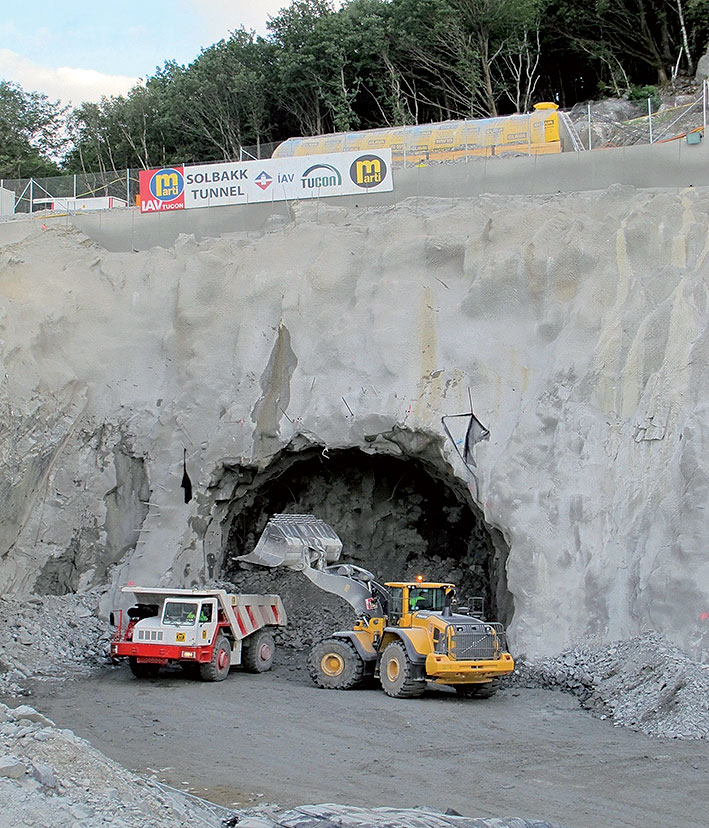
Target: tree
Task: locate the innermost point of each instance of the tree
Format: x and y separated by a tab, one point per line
224	96
32	133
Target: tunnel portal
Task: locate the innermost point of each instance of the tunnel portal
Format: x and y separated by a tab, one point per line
396	516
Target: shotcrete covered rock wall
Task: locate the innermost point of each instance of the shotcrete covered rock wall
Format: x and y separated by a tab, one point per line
155	405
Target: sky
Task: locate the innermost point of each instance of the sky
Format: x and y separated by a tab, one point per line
79	51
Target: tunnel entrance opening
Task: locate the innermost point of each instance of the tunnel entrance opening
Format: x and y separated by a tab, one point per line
396	516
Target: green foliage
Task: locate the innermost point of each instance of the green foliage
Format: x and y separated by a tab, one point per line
369	63
640	95
31	133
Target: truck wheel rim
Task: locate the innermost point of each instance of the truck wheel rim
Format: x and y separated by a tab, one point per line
264	652
222	659
393	670
332	664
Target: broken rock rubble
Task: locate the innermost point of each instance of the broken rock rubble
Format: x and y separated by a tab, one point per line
49	636
644	683
50	778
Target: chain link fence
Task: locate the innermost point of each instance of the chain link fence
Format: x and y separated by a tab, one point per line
35	194
617	123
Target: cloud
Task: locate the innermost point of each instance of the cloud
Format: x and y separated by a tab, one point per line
70	85
223	16
219	17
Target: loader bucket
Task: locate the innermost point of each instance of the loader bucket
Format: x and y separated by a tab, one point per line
297	542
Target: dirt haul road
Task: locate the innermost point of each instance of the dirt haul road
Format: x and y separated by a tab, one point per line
277	738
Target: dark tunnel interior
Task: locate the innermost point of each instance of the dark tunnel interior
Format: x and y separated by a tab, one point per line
397	517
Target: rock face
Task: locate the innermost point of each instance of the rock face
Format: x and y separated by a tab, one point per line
152	401
702	72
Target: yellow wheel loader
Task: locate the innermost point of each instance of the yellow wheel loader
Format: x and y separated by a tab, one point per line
407	633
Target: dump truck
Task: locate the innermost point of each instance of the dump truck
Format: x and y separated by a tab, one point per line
205	631
408	634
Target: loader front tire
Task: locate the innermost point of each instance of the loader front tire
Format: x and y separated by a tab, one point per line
142	669
257	655
218	668
334	664
396	673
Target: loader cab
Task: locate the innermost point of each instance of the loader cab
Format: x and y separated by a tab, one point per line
410	597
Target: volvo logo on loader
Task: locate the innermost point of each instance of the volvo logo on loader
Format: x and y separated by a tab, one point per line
167	184
368	171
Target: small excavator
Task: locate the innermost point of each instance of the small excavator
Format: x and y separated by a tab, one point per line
406	633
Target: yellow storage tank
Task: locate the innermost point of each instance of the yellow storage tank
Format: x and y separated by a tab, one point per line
535	133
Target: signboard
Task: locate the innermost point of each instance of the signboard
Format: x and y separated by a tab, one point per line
275	179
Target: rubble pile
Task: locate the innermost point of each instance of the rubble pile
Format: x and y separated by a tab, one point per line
49	636
50	777
644	683
316	816
312	613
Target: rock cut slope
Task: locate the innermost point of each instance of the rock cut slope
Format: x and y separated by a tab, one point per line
576	323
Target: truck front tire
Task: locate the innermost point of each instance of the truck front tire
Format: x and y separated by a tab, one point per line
143	669
478	691
396	673
218	668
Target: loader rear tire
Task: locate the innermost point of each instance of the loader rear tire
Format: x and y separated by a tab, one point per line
142	669
257	655
334	664
396	673
218	668
478	691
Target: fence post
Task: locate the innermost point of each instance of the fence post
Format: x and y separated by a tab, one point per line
74	186
704	103
649	116
31	194
589	126
128	188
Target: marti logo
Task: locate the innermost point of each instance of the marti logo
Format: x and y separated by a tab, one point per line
167	184
319	176
368	171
